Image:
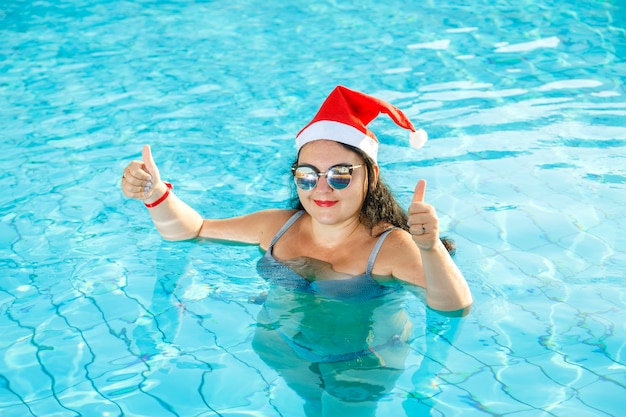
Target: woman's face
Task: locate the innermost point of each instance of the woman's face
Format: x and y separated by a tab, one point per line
323	203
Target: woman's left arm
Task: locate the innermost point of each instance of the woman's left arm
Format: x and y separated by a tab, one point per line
446	288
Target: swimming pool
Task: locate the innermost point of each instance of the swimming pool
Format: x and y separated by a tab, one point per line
525	106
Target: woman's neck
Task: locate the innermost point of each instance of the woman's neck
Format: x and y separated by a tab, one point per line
331	236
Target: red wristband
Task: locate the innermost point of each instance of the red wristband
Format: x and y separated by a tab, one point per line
163	197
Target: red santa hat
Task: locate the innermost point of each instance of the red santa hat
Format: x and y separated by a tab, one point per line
344	117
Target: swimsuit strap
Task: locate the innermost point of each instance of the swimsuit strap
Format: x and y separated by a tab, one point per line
286	226
374	254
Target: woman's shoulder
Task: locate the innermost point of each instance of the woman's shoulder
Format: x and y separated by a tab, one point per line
398	238
400	257
271	220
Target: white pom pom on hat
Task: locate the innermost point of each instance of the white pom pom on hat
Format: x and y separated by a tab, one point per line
344	116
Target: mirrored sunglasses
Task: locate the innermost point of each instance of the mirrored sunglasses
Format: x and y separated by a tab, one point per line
338	176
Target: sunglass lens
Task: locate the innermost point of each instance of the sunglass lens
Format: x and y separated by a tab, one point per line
339	177
305	178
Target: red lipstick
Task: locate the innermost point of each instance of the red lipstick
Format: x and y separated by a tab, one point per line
325	203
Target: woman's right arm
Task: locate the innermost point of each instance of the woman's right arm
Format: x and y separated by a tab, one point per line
175	220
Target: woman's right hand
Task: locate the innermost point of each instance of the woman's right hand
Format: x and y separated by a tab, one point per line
141	179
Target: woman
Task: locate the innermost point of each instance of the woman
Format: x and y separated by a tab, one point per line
346	209
332	325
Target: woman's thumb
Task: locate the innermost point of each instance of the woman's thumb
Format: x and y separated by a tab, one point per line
148	161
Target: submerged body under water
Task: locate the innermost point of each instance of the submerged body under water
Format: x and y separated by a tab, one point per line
524	104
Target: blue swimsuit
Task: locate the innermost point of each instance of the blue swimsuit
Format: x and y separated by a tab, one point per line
330	320
357	288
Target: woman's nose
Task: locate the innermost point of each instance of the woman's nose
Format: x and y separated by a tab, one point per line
322	184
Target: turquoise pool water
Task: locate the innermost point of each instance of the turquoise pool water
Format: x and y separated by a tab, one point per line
525	106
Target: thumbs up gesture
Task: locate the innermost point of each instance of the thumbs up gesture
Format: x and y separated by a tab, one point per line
423	221
141	178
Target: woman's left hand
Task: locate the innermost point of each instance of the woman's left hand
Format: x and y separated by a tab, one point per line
423	221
